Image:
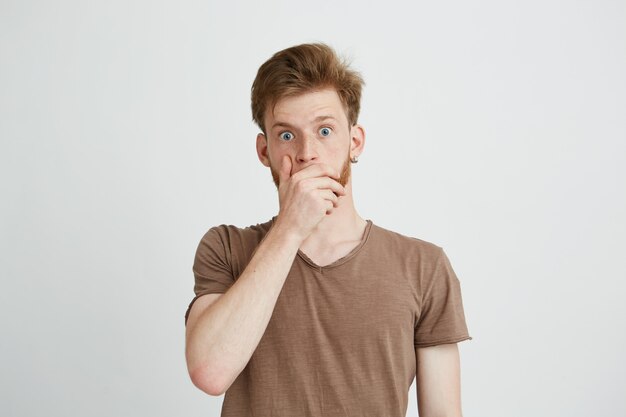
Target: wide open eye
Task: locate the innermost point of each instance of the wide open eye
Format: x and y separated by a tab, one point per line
325	131
286	136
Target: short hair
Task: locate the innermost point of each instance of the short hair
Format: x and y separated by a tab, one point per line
301	69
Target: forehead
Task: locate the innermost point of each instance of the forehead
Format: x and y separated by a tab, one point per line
304	108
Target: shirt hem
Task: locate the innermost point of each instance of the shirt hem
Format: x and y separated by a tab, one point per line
443	341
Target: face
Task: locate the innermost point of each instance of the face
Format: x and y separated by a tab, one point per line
311	128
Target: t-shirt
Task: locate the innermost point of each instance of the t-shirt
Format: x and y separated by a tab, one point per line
342	337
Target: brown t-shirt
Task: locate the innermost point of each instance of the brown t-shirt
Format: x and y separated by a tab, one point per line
342	337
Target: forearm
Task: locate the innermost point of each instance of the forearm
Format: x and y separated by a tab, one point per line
226	334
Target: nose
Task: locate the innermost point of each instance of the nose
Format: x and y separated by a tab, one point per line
306	151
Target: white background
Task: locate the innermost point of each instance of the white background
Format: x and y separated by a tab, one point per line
495	129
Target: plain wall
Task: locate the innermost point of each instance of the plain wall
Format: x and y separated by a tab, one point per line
495	129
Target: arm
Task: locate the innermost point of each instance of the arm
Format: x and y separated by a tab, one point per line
222	336
221	339
438	381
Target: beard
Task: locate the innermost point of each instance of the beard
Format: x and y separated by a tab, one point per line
346	171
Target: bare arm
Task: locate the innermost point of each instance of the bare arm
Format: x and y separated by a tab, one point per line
223	332
438	381
221	339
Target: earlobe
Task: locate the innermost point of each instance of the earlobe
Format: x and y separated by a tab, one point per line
261	149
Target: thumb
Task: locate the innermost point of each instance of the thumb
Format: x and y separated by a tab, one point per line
285	169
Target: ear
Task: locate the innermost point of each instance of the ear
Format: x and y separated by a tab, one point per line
261	149
357	139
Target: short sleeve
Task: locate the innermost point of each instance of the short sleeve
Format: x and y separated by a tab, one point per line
442	319
212	266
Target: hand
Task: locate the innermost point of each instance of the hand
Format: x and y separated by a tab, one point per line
307	196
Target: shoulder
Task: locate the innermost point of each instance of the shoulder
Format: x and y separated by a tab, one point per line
230	233
396	242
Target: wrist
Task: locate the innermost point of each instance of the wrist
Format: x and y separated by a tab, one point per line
286	233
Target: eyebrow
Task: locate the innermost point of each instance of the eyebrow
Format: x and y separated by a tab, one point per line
317	119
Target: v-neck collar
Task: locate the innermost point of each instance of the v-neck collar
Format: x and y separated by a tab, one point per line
342	260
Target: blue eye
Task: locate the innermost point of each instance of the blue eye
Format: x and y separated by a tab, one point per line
287	136
325	131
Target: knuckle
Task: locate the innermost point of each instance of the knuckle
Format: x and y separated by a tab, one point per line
300	186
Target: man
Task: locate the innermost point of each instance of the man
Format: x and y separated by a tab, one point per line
318	312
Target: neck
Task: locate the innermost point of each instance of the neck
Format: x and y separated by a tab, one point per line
344	223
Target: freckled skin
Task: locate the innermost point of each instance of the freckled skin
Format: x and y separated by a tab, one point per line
299	110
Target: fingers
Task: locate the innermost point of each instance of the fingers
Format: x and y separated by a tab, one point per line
317	170
331	200
330	197
324	183
285	169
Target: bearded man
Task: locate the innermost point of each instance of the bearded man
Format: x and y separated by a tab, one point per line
317	311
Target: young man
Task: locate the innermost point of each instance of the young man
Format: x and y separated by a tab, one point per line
318	312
